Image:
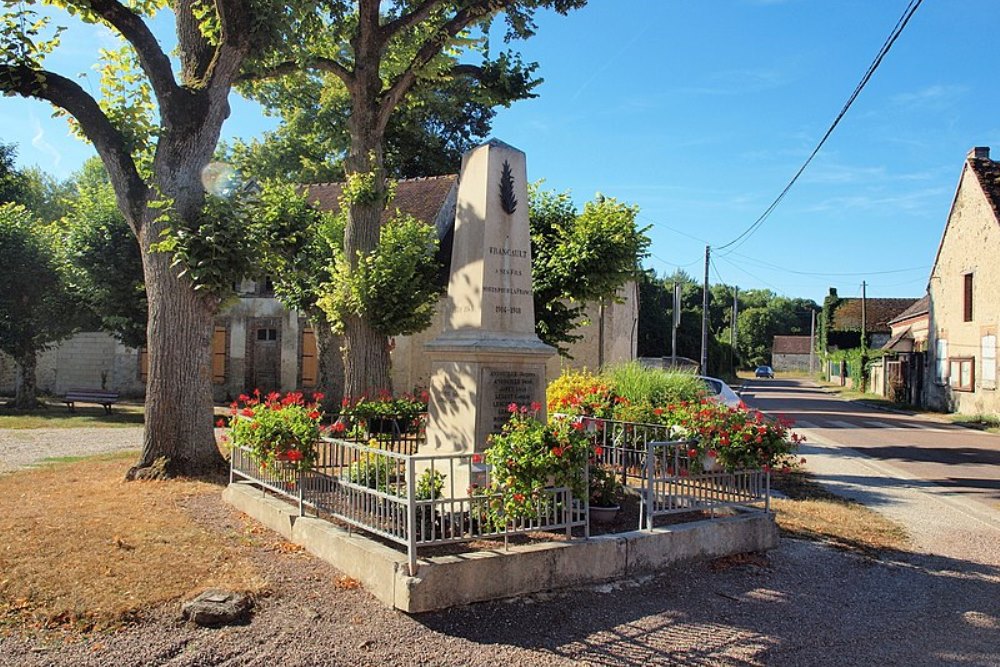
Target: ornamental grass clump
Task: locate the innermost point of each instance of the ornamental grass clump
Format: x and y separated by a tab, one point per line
529	455
737	439
277	428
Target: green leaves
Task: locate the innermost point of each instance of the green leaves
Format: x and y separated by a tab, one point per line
394	286
578	258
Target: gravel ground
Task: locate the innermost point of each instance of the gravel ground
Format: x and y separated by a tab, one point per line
20	448
803	604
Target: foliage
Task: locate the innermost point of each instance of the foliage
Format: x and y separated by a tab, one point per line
579	258
277	428
13	183
736	438
35	308
404	409
579	392
45	196
393	286
528	455
605	487
296	243
657	386
104	264
375	471
430	485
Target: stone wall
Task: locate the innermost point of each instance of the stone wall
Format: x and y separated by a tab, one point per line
790	362
91	360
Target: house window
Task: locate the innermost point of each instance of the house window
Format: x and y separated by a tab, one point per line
310	362
967	302
941	361
267	334
219	355
962	376
988	375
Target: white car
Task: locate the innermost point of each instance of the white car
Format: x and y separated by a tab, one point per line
721	392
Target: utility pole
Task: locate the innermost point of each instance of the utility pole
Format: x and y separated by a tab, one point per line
704	316
812	342
678	288
864	314
732	331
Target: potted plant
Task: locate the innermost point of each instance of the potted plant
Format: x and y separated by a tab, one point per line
605	494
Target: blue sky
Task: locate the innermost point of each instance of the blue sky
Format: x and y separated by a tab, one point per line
701	111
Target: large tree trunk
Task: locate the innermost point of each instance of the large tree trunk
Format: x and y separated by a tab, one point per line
178	439
26	389
366	352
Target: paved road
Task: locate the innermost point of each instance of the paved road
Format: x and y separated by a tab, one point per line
938	480
965	461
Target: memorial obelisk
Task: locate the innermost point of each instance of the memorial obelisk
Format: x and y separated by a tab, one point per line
488	355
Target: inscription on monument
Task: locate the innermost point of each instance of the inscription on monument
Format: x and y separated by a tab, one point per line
502	387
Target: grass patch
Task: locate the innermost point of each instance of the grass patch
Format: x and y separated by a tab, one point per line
812	512
57	415
86	551
989	423
653	385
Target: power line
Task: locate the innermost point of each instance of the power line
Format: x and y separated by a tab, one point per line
890	40
819	274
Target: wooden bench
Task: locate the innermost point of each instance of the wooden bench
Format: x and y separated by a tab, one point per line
98	396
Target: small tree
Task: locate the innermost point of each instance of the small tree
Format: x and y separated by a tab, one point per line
35	308
579	258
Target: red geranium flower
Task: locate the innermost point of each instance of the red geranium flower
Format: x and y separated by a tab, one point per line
338	427
512	408
557	451
314	414
598	451
221	423
294	455
692	452
246	412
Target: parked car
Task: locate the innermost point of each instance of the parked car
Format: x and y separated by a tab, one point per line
764	372
721	392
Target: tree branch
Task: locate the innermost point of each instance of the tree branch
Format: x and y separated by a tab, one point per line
234	19
419	13
66	94
432	47
291	67
133	28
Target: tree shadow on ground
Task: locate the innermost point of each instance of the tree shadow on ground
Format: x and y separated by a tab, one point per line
808	605
56	415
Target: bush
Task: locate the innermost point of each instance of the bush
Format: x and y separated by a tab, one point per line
579	392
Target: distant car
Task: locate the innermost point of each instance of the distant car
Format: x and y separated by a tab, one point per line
764	372
721	392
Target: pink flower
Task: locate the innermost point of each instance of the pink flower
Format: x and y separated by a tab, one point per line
512	408
536	406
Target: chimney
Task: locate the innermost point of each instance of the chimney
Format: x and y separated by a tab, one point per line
982	152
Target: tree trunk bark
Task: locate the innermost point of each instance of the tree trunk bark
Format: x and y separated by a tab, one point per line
26	389
178	438
331	365
366	352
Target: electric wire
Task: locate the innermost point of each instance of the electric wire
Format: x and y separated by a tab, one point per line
886	46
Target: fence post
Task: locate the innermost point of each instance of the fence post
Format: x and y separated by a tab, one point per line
299	482
649	486
411	514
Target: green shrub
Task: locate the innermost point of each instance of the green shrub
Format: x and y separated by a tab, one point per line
654	386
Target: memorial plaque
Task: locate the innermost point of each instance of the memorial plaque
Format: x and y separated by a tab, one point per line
501	387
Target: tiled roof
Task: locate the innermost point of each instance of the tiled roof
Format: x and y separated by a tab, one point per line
423	198
790	345
878	313
988	173
920	307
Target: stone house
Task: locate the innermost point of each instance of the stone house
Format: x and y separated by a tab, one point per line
791	353
901	373
964	293
259	343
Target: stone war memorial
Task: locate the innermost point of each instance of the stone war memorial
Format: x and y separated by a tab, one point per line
380	506
488	355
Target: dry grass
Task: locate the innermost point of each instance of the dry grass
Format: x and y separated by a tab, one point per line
812	512
81	548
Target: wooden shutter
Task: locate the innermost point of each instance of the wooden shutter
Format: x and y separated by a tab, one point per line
968	297
219	355
310	361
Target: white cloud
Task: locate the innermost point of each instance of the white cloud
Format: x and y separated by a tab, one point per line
39	142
